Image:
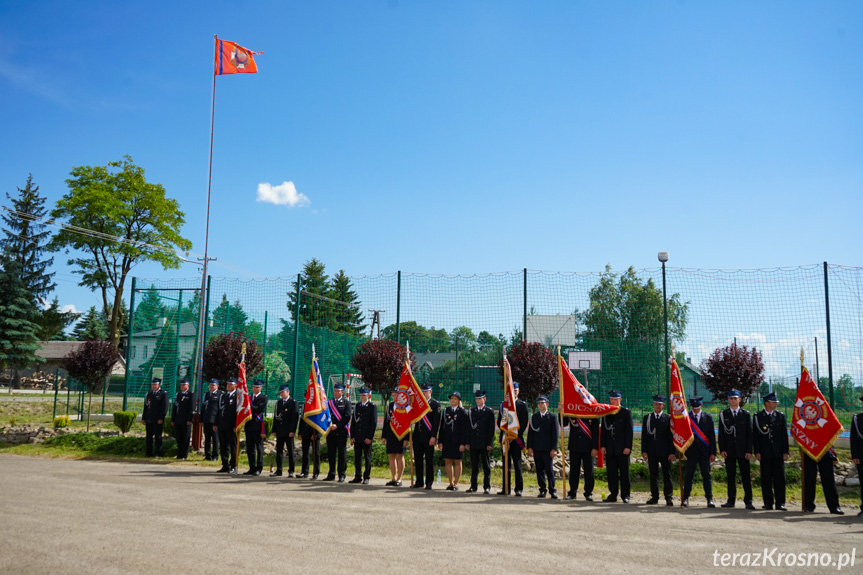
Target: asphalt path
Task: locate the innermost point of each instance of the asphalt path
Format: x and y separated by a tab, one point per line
74	516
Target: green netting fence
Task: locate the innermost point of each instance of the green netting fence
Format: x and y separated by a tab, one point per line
457	325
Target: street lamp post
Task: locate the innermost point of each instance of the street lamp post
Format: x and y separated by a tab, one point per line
663	257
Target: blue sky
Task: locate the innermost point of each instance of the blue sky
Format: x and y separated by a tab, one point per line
457	137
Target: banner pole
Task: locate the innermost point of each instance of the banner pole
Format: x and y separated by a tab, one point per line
802	482
680	474
560	415
411	442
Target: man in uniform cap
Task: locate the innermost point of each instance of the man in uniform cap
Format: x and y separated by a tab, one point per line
615	442
480	440
425	439
857	450
657	448
770	443
210	421
735	445
255	430
227	428
341	411
363	426
701	453
155	409
516	446
583	446
285	418
181	418
542	446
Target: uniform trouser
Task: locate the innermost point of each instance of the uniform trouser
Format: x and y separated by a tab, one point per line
577	461
773	480
255	448
828	483
544	470
282	444
514	466
211	441
363	459
654	463
860	475
182	433
479	455
618	471
337	448
315	446
228	445
698	462
731	465
154	436
424	454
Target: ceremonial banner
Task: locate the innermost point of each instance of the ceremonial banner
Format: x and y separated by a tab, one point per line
411	404
813	425
575	400
509	423
316	411
681	424
244	402
232	58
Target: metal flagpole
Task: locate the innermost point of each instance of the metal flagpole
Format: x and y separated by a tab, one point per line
506	486
411	436
802	454
560	414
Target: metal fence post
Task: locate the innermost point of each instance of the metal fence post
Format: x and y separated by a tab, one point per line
129	342
524	310
56	391
829	343
296	334
398	306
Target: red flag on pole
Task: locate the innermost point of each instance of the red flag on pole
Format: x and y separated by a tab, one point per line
680	424
411	405
813	424
232	58
575	400
244	402
509	423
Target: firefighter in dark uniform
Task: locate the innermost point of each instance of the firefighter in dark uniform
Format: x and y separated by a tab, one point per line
210	421
823	467
583	446
615	442
425	438
364	423
181	418
227	427
516	446
480	441
310	439
657	449
735	446
770	444
701	453
155	409
341	411
542	439
857	450
255	430
285	418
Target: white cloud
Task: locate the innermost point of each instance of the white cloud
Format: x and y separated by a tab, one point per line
69	307
283	195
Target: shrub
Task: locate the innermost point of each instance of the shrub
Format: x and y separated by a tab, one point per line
124	420
61	421
268	424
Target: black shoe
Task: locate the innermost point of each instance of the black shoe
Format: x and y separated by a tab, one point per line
428	486
768	507
365	481
809	509
860	514
652	501
356	480
416	486
249	472
330	478
587	497
342	479
397	484
750	506
315	476
450	488
553	495
501	492
728	504
610	499
669	502
781	508
571	496
223	470
837	511
711	504
685	503
517	493
487	490
541	494
471	490
455	487
276	474
302	475
290	473
390	483
257	472
625	499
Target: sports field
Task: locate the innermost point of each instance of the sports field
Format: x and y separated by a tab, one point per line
121	517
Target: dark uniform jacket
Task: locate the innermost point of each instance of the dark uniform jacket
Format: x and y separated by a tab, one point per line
228	411
181	413
155	406
306	430
705	424
259	407
481	423
579	441
345	409
543	432
285	417
523	417
453	426
769	434
364	422
615	433
735	433
857	436
422	433
656	437
210	407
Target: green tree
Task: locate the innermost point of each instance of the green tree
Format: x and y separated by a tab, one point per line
229	318
18	345
463	339
422	340
314	311
53	322
90	364
348	318
90	327
26	240
118	201
149	312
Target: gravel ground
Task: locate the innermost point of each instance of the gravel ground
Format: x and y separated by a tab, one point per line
62	516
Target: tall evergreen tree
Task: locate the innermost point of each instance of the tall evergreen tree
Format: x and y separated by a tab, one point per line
25	240
229	318
314	311
18	345
91	326
348	319
53	321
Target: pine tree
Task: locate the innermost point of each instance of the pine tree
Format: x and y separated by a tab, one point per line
90	327
18	345
314	311
348	319
25	241
52	322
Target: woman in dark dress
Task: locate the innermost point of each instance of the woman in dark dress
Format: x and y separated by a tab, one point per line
452	438
395	448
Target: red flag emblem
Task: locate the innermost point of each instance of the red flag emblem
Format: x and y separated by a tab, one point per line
813	424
